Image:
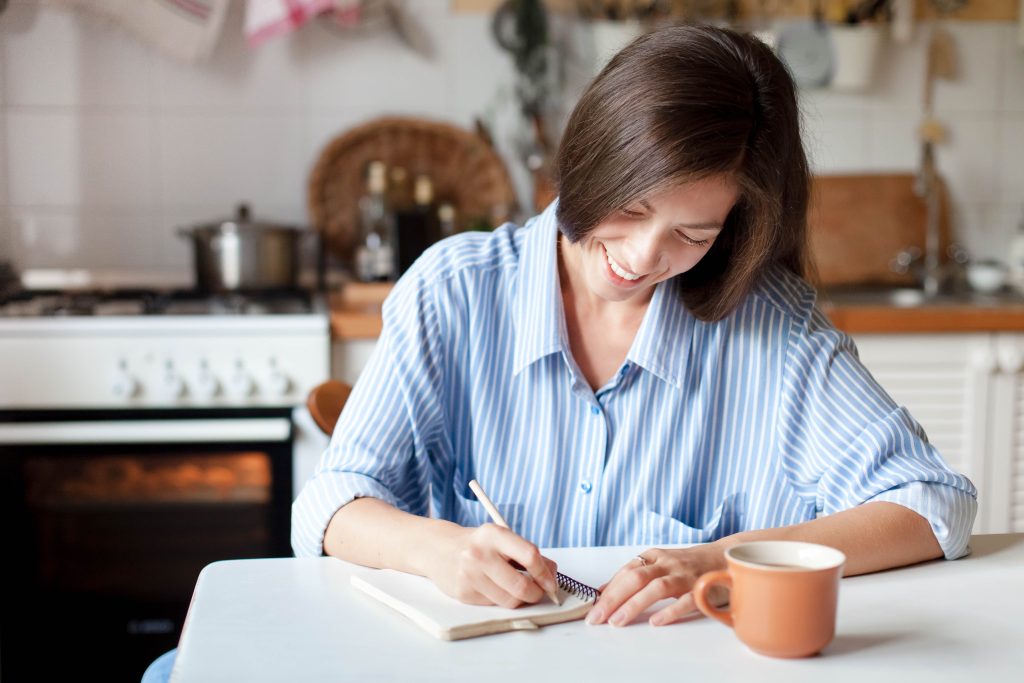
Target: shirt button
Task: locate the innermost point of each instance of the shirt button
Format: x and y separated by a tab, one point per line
595	410
586	486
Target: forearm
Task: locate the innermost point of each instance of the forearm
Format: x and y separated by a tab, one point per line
373	533
873	536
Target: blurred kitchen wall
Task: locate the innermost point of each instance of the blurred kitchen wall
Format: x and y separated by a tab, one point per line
106	145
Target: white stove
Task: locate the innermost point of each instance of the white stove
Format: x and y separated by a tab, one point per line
167	349
144	434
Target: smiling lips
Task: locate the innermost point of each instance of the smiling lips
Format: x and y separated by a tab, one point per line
619	270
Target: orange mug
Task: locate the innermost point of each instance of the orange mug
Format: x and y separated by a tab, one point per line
782	595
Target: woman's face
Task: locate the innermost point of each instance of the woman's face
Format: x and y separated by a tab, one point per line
652	240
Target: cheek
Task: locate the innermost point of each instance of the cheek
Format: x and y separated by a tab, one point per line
688	259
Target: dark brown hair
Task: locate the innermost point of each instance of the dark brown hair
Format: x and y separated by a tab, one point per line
677	105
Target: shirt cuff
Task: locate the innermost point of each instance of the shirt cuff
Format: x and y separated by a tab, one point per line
949	510
320	498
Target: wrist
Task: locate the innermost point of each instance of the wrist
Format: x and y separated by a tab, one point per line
438	549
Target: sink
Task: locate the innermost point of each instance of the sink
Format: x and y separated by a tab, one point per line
910	297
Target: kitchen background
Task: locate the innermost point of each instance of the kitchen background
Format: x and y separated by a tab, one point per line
147	433
106	145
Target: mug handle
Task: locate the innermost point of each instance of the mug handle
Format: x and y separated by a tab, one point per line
704	584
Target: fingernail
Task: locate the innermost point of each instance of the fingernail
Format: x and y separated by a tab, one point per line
656	620
595	616
617	619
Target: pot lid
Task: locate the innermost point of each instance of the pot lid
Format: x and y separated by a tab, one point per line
243	221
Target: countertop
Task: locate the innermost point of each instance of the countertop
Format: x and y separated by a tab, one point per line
355	313
299	619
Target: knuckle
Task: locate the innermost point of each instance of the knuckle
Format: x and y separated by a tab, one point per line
534	558
462	577
510	602
634	581
520	586
473	553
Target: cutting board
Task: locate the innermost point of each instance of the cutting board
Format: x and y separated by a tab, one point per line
859	223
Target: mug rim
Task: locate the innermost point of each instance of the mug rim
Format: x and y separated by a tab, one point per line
835	558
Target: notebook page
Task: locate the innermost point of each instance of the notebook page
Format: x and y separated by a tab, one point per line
424	603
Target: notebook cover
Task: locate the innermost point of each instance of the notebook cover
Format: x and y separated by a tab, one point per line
423	603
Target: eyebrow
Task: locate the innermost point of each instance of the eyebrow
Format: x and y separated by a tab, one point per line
709	226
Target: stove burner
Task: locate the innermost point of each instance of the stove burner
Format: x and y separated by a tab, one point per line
42	304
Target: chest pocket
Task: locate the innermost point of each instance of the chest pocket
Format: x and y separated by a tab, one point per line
471	512
727	519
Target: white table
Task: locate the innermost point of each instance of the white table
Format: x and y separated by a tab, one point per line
300	620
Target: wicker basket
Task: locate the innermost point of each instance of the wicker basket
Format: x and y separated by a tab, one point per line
464	168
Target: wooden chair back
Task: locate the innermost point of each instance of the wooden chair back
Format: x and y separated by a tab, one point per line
325	402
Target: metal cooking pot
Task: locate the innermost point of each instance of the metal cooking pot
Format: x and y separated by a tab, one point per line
244	254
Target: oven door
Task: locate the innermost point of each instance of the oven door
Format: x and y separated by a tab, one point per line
108	517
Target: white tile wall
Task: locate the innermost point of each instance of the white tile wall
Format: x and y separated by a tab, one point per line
106	145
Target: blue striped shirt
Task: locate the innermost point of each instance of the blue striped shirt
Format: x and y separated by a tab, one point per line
763	419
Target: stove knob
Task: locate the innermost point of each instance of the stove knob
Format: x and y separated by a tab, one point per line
172	386
278	383
125	386
241	385
207	386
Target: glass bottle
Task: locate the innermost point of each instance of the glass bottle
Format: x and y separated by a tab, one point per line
375	253
446	219
417	226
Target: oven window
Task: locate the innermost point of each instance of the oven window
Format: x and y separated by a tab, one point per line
140	525
119	480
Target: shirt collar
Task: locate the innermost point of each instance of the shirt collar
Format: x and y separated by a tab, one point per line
539	318
661	344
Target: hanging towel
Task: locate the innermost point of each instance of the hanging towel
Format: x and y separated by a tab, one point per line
186	30
265	19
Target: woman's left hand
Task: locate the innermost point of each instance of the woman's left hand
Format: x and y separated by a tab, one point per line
654	575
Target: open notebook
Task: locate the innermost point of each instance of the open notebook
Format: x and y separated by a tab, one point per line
419	600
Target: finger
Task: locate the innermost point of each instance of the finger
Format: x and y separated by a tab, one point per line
473	597
520	586
518	549
622	586
658	588
495	593
674	612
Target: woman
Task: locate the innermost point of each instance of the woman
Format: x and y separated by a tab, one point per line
642	364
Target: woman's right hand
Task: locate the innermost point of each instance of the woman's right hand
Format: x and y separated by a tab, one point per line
475	568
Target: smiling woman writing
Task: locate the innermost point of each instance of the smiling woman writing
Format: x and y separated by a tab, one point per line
642	363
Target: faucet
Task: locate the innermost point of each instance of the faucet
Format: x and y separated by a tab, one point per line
926	185
941	63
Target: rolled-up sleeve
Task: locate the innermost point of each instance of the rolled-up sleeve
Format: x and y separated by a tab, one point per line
845	442
380	444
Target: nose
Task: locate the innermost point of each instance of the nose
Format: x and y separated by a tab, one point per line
644	249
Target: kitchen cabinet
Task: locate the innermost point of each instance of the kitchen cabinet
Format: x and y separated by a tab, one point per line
1005	502
967	391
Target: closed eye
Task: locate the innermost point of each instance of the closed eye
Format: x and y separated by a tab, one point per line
689	240
631	214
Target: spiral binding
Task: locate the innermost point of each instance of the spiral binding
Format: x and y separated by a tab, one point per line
577	588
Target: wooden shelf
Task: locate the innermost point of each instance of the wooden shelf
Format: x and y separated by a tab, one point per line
975	10
355	314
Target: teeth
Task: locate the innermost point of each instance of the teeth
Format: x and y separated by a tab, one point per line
619	270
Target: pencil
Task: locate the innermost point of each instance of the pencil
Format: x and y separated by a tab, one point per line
496	517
